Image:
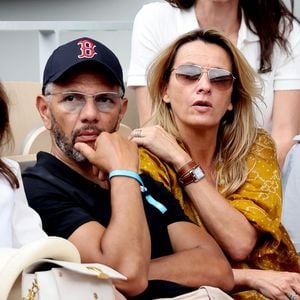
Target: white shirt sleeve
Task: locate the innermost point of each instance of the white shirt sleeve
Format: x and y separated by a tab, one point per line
23	224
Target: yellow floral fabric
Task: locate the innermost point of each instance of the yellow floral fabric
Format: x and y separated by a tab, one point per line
258	199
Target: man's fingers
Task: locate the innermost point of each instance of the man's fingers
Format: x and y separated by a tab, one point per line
85	150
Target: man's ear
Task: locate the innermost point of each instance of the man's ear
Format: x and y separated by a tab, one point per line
123	109
42	105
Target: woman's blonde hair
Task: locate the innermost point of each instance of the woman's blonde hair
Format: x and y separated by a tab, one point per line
237	131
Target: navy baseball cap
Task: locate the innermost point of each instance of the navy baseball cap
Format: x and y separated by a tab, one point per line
78	51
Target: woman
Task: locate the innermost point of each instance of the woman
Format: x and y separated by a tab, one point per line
206	149
19	224
266	32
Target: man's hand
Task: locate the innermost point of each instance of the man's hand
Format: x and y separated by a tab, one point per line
111	152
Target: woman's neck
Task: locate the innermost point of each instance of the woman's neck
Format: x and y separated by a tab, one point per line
222	16
202	148
201	145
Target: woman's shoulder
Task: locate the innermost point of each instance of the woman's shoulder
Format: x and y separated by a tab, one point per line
12	164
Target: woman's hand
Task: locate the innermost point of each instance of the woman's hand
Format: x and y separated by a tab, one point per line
162	144
272	284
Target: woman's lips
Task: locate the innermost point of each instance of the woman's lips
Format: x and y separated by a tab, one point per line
202	103
202	106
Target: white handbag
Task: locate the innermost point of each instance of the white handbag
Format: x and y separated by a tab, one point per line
60	280
50	268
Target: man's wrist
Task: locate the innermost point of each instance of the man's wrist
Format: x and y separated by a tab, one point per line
137	177
125	173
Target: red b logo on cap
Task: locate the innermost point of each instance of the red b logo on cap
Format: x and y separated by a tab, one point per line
87	49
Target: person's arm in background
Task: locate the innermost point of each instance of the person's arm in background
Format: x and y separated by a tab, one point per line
143	103
286	121
286	103
146	40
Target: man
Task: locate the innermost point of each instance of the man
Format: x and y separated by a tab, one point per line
88	189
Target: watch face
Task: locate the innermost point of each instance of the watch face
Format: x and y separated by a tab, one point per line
197	173
194	175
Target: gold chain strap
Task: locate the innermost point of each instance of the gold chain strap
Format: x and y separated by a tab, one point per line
32	291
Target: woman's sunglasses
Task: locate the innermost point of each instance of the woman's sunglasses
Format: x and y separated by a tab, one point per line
189	74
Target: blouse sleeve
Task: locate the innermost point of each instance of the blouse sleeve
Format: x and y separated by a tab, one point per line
259	198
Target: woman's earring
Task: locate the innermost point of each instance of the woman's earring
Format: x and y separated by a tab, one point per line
166	98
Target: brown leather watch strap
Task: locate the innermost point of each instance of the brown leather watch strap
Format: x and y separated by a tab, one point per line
186	168
186	180
193	175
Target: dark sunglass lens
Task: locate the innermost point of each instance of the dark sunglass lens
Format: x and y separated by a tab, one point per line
188	73
221	78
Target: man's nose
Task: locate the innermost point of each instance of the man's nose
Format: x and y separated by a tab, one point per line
89	111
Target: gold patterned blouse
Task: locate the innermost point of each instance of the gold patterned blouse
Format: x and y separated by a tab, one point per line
258	199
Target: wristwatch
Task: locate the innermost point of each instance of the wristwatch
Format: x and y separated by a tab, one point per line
194	175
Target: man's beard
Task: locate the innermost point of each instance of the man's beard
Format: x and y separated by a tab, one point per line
66	145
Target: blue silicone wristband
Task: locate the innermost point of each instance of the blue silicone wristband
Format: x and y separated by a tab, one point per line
136	176
126	173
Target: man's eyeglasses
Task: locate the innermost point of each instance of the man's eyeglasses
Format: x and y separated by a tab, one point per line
73	102
189	74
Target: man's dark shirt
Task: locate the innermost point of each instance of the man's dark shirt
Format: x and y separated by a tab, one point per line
65	200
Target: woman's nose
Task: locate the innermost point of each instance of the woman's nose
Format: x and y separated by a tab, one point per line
203	83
